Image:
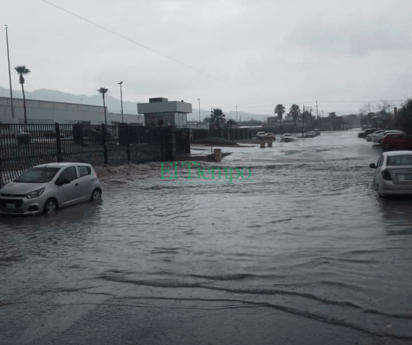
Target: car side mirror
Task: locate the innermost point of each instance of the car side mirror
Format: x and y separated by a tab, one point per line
65	181
372	166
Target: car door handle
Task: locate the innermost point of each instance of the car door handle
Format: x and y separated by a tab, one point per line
76	184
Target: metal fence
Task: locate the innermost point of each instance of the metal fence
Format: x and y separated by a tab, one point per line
23	146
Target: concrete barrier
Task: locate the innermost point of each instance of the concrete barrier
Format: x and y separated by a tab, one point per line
218	155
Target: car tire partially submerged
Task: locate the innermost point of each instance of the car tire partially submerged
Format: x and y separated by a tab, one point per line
96	195
50	205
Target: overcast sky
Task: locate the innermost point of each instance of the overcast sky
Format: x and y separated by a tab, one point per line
250	53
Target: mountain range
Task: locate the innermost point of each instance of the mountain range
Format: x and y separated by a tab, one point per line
113	103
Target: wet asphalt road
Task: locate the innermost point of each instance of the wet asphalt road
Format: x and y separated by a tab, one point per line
302	253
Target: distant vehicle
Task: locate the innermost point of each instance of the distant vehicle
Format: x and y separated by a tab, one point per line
310	134
287	137
376	137
47	187
269	135
393	173
369	136
52	134
260	135
367	131
396	140
317	131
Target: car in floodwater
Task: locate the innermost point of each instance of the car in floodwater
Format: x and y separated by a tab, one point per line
396	141
287	137
310	134
367	131
48	187
377	136
393	173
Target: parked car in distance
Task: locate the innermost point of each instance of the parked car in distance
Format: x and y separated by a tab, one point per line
52	134
393	173
367	131
317	131
376	137
260	135
310	134
396	141
269	135
48	187
287	137
369	136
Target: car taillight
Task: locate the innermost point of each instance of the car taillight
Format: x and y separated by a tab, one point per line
386	175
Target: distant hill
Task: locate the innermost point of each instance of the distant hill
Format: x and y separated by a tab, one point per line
113	103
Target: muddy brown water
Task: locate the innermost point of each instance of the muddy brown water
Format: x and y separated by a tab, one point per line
304	248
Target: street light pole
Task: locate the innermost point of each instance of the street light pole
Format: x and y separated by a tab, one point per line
8	58
198	126
121	97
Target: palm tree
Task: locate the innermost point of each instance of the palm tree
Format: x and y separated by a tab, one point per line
103	91
280	110
217	118
21	70
294	112
230	123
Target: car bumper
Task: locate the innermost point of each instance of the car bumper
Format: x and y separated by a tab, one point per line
390	188
28	207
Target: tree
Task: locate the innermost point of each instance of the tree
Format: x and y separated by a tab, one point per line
103	91
294	112
230	123
217	118
280	110
22	70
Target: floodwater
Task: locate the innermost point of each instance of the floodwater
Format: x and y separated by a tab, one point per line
303	252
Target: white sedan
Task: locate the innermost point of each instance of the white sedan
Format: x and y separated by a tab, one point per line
393	173
376	137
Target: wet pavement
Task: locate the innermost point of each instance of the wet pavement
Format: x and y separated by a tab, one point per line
303	252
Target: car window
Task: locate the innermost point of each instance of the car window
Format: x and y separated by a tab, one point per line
38	175
380	161
69	173
400	160
84	171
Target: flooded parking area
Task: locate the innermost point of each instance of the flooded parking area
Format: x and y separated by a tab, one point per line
304	252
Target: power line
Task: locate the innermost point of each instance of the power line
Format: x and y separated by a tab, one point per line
129	39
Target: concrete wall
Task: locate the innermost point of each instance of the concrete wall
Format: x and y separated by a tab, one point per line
63	113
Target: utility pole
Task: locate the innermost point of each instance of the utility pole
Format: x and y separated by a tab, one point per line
121	97
198	126
11	90
317	115
236	112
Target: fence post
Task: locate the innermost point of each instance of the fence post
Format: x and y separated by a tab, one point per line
104	142
128	143
58	143
1	174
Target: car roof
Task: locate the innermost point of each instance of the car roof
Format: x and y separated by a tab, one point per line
59	164
398	153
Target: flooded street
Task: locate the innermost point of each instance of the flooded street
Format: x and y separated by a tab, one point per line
306	253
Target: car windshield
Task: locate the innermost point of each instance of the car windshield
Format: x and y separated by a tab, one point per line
37	175
400	160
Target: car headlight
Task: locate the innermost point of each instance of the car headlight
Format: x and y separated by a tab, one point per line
35	194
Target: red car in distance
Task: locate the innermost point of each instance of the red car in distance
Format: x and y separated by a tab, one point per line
396	141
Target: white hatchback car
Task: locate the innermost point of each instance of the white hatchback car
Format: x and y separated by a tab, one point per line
393	173
47	187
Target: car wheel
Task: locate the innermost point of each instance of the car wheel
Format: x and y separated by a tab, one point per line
96	195
50	205
387	147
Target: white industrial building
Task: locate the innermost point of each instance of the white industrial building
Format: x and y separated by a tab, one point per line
162	112
45	112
